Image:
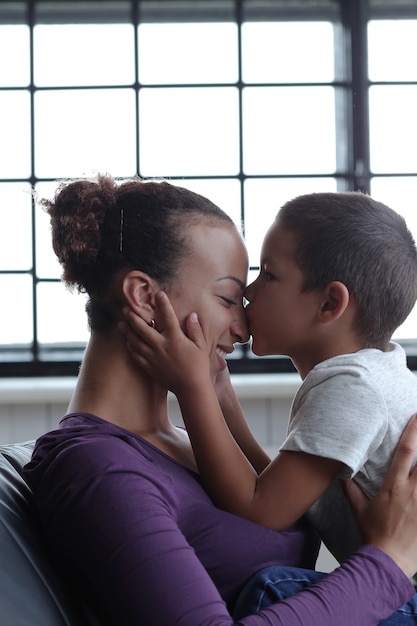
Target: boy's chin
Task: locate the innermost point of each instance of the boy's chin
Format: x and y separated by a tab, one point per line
258	350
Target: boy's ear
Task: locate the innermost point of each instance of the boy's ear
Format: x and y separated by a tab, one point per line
139	292
335	302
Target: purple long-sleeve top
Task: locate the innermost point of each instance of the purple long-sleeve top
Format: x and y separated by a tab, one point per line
141	539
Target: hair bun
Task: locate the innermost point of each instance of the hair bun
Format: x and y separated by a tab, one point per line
77	212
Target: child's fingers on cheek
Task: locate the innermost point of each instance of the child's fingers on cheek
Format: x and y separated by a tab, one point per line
133	341
134	320
128	332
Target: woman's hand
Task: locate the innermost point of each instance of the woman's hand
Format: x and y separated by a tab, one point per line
389	521
170	356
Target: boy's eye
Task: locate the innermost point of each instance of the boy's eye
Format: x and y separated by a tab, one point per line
268	275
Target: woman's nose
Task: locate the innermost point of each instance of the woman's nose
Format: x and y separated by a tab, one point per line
240	328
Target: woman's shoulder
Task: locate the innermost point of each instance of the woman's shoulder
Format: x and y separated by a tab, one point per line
85	445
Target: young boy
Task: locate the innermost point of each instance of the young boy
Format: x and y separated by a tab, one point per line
338	275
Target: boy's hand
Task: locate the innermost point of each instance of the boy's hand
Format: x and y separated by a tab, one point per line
176	360
223	386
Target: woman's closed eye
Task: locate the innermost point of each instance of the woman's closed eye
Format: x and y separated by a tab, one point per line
229	301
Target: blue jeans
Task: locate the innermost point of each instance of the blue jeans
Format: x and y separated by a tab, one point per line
276	583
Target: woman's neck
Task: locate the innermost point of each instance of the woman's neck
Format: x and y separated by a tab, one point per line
112	387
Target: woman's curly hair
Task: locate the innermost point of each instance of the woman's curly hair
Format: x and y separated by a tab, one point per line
102	227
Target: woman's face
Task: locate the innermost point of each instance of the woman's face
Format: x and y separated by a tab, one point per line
211	282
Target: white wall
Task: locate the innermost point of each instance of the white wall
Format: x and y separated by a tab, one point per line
30	407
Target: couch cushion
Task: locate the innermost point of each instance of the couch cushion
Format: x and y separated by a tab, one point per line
31	591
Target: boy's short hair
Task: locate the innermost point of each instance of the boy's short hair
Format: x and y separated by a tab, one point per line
352	238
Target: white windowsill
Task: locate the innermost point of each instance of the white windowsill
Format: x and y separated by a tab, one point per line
59	389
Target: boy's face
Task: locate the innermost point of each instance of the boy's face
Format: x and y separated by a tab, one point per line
280	316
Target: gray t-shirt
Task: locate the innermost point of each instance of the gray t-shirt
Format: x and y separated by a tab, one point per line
352	408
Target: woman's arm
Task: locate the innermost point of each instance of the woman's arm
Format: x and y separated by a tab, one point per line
343	597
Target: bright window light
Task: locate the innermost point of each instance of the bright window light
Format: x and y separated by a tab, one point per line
249	114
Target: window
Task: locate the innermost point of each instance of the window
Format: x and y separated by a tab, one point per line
249	102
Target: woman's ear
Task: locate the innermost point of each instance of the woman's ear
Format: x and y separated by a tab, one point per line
335	302
139	292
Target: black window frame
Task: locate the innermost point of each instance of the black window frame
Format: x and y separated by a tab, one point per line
352	128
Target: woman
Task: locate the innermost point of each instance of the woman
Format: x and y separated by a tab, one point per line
116	485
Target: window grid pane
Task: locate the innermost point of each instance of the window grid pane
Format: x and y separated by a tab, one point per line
232	108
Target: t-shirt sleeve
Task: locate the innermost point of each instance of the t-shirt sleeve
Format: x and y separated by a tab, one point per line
338	414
